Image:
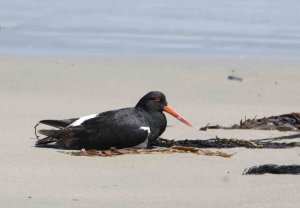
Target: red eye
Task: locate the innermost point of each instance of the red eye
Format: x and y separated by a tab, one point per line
157	99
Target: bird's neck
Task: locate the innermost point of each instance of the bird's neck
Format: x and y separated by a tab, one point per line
157	120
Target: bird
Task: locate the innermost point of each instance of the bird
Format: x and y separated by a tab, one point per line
133	127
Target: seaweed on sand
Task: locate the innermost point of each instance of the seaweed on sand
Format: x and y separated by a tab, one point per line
284	122
272	169
167	150
274	143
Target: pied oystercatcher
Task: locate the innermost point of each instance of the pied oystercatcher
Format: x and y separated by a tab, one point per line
127	127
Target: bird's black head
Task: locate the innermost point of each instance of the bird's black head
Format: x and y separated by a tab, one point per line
153	101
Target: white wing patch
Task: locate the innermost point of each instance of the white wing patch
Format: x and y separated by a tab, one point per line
144	144
79	121
146	128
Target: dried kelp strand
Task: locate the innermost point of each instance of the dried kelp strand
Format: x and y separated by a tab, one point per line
272	169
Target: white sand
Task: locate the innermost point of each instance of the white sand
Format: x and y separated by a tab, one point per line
35	88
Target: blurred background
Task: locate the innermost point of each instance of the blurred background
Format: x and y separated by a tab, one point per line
231	28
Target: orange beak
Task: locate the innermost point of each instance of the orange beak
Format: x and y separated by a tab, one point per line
169	110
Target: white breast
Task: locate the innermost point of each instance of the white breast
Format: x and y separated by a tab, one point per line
146	128
144	144
79	121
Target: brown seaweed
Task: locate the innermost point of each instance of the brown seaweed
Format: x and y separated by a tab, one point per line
272	169
169	150
284	122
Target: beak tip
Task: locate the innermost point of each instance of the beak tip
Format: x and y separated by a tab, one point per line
190	125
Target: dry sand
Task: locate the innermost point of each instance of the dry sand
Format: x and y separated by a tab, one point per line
35	88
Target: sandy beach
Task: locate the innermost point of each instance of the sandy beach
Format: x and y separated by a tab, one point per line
33	88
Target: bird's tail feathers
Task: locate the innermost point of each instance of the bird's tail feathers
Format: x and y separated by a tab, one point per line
58	123
46	142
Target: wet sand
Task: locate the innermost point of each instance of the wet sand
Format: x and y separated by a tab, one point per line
35	88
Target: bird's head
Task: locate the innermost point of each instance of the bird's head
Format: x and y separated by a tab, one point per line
156	101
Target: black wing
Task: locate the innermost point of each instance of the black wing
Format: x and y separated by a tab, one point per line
109	129
121	128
